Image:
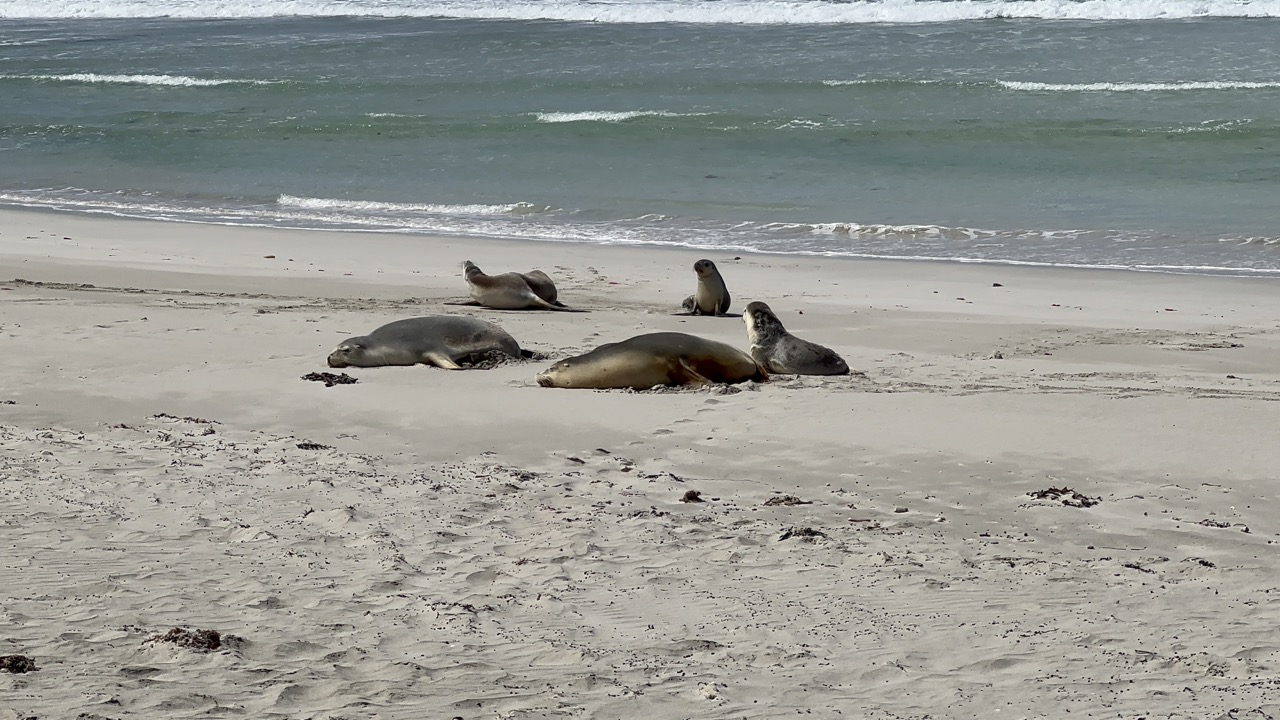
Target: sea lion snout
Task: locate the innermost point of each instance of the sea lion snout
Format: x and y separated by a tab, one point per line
349	354
550	376
339	357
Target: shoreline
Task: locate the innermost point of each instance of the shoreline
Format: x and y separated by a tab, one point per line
431	543
1195	271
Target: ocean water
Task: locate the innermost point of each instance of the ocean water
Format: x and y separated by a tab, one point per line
1138	134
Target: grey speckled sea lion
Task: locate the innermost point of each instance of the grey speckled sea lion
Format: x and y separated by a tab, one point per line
513	290
645	361
778	351
711	297
439	340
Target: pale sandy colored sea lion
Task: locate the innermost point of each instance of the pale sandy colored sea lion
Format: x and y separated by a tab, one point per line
440	340
778	351
711	297
645	361
512	290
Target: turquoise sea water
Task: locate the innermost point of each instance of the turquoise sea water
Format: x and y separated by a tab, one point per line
1094	132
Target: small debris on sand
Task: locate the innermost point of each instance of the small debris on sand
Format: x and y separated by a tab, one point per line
692	496
330	379
494	359
1069	497
787	500
187	418
1210	522
313	446
197	640
804	533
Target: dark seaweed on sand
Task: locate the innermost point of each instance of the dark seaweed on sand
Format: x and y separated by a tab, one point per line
17	664
804	533
330	379
198	640
1069	497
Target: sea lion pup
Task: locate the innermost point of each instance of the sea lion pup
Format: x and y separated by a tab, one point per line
644	361
711	297
439	340
778	351
512	290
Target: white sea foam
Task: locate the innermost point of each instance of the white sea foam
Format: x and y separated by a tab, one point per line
1138	86
1020	85
372	206
758	12
604	116
168	80
1208	126
330	214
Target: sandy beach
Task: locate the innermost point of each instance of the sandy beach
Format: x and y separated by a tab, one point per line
442	544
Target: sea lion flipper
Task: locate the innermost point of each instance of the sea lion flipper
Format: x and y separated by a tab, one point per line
684	374
461	302
762	373
761	357
539	302
441	360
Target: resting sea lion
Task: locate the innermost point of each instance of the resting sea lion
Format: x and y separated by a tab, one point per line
439	340
513	290
665	358
711	297
778	351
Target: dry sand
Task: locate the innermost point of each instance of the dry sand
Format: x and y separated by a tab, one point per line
436	544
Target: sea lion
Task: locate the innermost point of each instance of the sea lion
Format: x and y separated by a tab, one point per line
439	340
778	351
512	290
711	297
644	361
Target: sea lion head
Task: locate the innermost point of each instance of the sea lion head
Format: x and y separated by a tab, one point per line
469	269
560	374
761	322
704	268
350	352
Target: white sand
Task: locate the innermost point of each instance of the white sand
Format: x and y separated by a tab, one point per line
473	545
